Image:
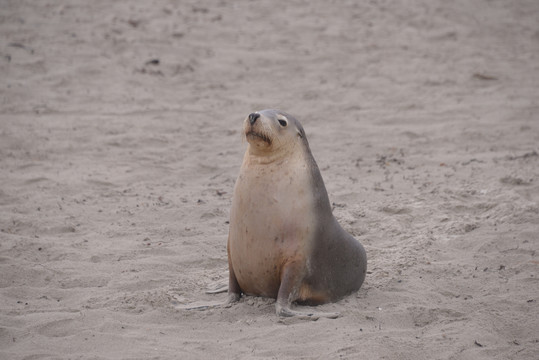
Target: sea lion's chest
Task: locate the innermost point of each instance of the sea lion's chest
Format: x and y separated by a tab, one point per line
271	222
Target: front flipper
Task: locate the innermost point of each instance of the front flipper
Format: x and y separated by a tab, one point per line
234	293
289	290
218	289
232	298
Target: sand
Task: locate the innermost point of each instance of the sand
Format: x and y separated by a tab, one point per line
120	141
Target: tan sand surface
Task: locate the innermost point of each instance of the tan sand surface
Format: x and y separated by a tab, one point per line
120	143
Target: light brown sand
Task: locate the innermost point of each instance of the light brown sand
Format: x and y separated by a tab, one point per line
116	174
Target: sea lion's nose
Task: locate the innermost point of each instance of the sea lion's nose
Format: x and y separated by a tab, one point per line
253	117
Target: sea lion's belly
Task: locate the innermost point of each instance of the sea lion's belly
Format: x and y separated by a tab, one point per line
270	225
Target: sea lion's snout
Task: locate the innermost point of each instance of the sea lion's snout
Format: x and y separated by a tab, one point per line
253	117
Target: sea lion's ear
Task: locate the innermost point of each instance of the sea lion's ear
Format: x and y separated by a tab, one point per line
300	133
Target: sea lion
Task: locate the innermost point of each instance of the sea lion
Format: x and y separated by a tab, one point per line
284	241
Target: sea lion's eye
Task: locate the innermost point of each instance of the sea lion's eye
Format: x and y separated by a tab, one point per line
282	121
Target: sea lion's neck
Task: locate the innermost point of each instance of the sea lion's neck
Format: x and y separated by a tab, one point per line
256	159
259	157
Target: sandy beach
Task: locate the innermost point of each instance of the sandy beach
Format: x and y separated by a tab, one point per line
121	140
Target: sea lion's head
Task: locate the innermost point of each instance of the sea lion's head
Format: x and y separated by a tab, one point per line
270	131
